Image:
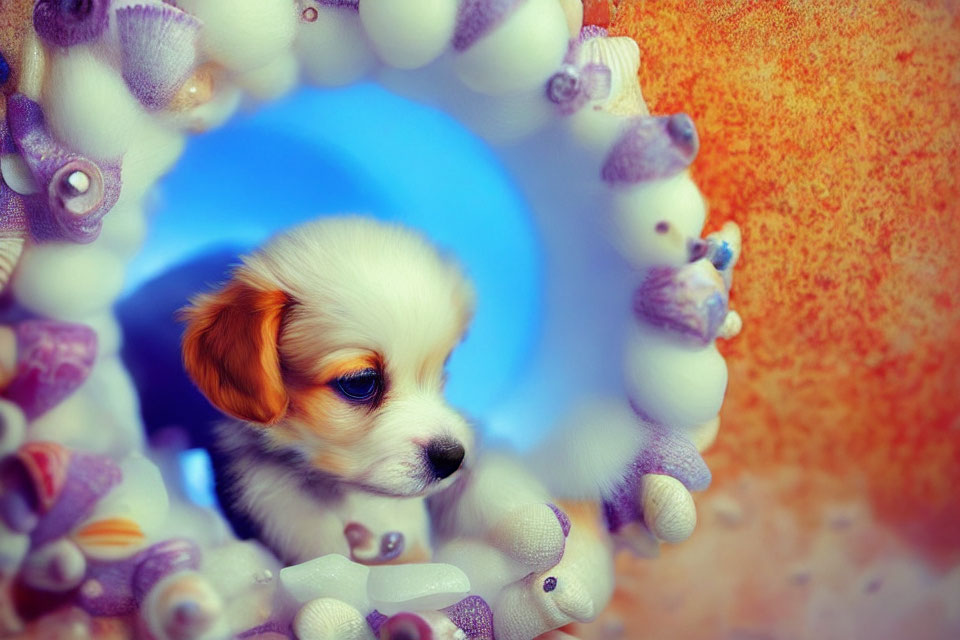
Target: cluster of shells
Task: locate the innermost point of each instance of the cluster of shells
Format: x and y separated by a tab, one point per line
98	96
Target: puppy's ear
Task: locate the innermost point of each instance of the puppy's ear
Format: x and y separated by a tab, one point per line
230	350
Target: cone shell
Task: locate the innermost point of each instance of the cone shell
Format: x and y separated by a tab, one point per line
46	463
109	538
158	47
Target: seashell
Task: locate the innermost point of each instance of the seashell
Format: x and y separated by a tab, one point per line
46	466
652	148
88	478
75	191
72	22
10	249
408	34
405	625
573	10
621	56
476	18
668	509
691	301
33	65
503	46
330	618
473	617
573	87
162	560
158	48
109	538
58	566
13	427
184	606
53	360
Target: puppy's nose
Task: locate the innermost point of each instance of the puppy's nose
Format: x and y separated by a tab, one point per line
444	456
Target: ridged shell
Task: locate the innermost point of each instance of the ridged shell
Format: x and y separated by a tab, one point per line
691	301
622	56
10	249
46	463
652	148
109	538
158	47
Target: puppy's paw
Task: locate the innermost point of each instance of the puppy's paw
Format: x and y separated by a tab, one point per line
533	535
330	619
668	509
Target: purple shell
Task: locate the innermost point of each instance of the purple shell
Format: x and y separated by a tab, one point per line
89	478
76	192
473	616
667	453
349	4
691	301
158	47
161	560
375	620
476	18
572	87
54	359
653	147
591	31
68	22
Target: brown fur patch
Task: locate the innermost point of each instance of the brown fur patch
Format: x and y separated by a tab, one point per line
230	350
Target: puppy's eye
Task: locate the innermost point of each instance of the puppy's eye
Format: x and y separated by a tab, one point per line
361	386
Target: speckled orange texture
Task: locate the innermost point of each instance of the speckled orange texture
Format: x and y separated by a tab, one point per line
831	133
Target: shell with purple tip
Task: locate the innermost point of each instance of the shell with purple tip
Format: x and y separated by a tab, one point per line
158	46
69	23
652	148
690	301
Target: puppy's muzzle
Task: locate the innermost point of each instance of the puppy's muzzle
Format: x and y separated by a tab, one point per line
444	457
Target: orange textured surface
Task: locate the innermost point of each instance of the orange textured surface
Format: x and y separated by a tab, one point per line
831	133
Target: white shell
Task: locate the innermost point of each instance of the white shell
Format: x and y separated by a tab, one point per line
670	383
415	587
33	64
334	50
519	54
88	106
668	509
244	34
11	247
573	9
622	56
408	33
330	619
13	424
57	566
325	577
141	496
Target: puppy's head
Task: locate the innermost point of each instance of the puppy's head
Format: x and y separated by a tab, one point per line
333	339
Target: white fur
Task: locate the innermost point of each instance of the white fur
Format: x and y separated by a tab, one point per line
521	53
244	34
408	33
88	106
334	50
585	457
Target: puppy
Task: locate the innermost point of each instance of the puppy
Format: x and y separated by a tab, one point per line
328	346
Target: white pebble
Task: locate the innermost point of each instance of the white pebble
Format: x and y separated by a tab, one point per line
67	281
414	587
272	80
671	383
637	211
334	50
521	53
88	106
408	33
328	576
244	34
